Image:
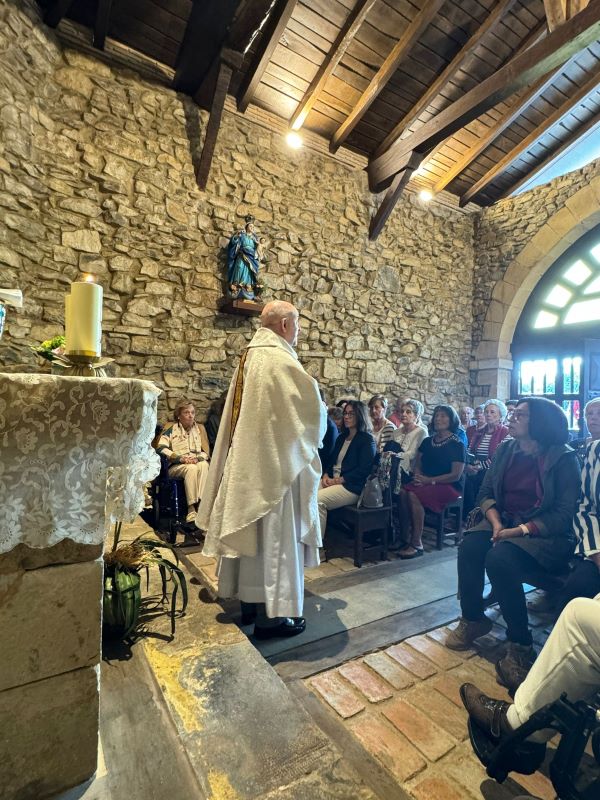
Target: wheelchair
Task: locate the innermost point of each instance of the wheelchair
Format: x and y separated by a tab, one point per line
578	723
169	508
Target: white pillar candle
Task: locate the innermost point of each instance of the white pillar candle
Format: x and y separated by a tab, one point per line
67	321
85	319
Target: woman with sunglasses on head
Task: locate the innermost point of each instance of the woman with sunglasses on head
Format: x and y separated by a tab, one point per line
351	462
527	500
437	478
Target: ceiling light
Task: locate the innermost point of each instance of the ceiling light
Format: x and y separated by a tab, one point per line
294	140
426	195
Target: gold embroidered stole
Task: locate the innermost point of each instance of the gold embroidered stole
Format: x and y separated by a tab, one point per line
237	396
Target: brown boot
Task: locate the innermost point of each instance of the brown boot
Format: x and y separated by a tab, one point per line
489	714
512	668
465	633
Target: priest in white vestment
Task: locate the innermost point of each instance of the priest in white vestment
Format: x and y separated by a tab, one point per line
259	506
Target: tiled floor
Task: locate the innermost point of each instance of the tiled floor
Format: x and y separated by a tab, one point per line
402	705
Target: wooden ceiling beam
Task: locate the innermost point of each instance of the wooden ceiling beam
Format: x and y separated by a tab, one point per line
574	100
205	35
548	54
272	33
459	59
225	70
101	24
399	52
249	20
392	196
591	126
556	13
56	11
349	30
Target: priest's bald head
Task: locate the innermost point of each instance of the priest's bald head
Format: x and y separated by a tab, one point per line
282	318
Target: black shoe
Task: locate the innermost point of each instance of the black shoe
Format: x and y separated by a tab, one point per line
248	618
291	626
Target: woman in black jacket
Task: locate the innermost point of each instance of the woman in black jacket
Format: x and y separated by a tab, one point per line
350	464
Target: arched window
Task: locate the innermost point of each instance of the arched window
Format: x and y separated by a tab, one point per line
556	347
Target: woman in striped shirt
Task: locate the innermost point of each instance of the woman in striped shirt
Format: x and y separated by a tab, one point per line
482	446
382	427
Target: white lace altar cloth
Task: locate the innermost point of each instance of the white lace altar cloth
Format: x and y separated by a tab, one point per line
74	456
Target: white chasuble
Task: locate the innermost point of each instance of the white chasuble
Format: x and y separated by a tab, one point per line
259	506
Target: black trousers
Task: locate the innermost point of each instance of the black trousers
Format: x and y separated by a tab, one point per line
583	581
471	490
507	567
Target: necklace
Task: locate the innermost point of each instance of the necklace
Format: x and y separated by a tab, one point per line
442	443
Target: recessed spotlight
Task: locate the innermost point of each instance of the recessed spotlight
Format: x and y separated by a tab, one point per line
426	195
294	140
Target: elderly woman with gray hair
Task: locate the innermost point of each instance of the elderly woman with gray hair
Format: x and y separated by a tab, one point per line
483	443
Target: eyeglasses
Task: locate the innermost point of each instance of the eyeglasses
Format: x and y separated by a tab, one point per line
348	414
518	415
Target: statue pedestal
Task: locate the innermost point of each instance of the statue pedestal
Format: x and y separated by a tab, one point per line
75	453
242	308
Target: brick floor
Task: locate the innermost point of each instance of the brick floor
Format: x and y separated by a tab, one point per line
403	706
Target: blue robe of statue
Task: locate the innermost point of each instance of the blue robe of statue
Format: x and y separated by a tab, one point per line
242	265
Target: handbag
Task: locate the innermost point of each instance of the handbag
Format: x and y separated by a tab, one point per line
371	495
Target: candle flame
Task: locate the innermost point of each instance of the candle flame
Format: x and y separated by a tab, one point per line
88	277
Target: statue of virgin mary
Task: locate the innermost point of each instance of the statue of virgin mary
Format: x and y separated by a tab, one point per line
243	261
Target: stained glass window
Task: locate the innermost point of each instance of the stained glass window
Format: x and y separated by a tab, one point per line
575	296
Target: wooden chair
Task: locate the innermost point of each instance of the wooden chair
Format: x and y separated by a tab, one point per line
366	520
439	520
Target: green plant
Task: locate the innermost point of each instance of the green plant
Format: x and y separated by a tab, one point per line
51	349
123	564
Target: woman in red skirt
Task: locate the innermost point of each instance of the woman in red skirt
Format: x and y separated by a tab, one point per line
437	478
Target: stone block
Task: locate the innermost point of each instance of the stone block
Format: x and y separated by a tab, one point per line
66	551
49	735
337	694
367	683
49	621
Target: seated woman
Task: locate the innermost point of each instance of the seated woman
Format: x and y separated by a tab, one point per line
528	499
382	427
482	446
337	415
437	478
185	444
478	424
351	462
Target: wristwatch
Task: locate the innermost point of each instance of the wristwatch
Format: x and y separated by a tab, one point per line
525	529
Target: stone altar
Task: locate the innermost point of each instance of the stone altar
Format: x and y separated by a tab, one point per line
74	455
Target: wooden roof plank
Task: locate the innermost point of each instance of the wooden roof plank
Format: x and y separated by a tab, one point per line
387	69
274	28
101	24
434	89
578	97
355	19
591	126
543	57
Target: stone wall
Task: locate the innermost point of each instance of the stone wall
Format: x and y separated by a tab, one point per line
97	174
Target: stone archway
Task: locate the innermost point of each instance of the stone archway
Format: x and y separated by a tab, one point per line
492	363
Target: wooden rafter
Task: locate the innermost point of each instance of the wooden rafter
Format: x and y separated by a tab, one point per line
392	195
102	22
572	37
227	62
556	13
591	126
574	100
400	51
249	20
204	36
276	25
459	59
355	19
56	11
